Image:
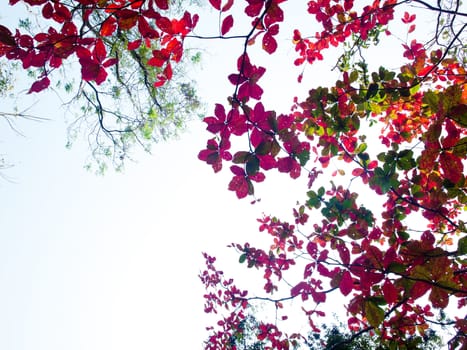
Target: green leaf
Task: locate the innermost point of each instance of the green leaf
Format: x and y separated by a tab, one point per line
252	165
321	191
462	246
263	148
361	148
405	92
431	99
304	157
413	90
242	258
460	149
397	267
240	157
459	114
372	91
374	314
313	199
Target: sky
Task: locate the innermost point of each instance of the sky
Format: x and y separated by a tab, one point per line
111	262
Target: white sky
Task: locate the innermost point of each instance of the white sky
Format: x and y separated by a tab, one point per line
90	262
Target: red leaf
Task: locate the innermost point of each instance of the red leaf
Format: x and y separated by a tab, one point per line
267	162
26	41
237	170
408	18
227	6
357	172
47	10
324	161
216	4
100	51
418	289
162	4
161	81
373	164
145	29
254	9
227	24
62	14
312	249
55	62
109	62
258	177
451	166
6	37
318	297
108	27
453	135
92	70
127	19
390	292
137	4
168	71
164	24
239	185
439	298
298	288
343	253
159	58
269	43
40	85
133	45
346	283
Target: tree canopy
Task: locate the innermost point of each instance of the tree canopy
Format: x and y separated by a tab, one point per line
380	226
119	99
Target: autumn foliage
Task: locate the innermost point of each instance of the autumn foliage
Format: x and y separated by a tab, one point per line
395	266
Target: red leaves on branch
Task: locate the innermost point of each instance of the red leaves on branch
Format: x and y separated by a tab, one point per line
375	260
408	18
47	50
414	50
216	152
247	79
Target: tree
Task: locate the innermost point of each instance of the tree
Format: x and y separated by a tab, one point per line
392	264
123	95
332	337
336	337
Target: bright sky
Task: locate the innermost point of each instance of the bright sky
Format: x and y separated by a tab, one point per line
90	262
